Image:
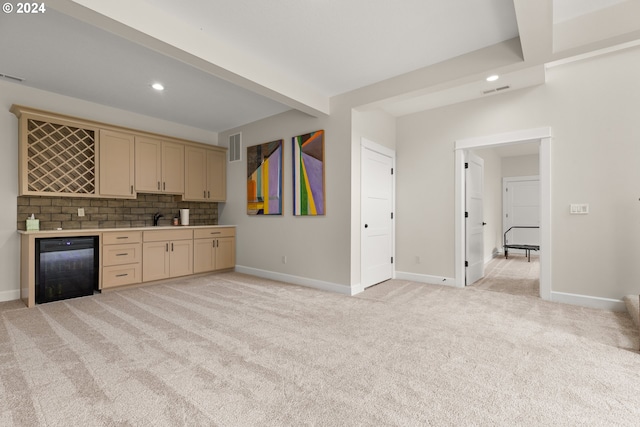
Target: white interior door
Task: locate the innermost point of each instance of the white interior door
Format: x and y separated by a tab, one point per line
474	197
521	207
377	202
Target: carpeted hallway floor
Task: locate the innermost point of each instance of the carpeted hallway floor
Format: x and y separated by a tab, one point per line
234	350
515	275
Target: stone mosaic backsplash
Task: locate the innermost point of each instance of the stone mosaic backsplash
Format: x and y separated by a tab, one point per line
62	212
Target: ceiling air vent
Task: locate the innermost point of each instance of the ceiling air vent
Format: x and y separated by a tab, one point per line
498	89
14	78
235	147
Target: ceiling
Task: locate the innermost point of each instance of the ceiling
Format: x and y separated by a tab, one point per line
227	63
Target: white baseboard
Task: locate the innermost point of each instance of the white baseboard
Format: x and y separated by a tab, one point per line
297	280
589	301
492	256
9	295
426	278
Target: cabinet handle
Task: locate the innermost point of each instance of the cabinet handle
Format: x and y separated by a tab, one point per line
208	194
204	194
122	237
216	232
158	185
122	254
164	185
122	275
217	243
132	189
171	247
166	247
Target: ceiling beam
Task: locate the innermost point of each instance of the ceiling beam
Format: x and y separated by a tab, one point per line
535	25
152	28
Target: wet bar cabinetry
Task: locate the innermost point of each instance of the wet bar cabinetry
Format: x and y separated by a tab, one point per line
166	254
121	258
71	157
133	256
214	249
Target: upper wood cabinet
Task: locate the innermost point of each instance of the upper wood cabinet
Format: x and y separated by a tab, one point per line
159	166
116	164
71	157
205	175
56	156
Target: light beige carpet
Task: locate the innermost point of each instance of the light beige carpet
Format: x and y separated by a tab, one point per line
233	350
515	275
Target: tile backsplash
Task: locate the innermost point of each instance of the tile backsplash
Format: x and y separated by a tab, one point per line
62	212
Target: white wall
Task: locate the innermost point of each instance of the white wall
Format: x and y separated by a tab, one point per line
592	107
323	251
11	93
317	248
528	165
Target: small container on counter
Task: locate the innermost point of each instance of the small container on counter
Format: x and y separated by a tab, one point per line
175	221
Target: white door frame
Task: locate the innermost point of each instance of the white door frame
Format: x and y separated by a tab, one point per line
543	135
370	145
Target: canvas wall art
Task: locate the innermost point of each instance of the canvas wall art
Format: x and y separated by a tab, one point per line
308	174
264	178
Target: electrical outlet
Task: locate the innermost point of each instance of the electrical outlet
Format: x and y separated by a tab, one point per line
80	211
284	259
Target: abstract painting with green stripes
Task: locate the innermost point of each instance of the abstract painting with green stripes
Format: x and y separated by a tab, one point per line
308	174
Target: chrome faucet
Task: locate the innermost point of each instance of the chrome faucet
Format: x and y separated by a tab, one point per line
156	217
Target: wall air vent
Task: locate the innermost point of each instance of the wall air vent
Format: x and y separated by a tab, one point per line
235	147
14	78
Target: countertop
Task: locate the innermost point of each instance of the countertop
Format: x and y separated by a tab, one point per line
88	231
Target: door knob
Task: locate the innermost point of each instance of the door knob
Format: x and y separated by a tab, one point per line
484	223
366	226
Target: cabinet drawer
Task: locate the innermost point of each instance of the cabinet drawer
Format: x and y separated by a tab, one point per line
213	232
117	237
121	275
164	235
121	254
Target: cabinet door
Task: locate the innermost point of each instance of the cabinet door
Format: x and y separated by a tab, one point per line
216	176
148	165
155	261
172	168
181	263
203	255
116	164
195	174
225	253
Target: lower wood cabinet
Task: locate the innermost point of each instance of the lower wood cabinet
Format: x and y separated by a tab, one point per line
166	254
121	258
214	249
130	257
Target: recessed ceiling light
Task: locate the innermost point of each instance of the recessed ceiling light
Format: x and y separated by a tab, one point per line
493	78
157	86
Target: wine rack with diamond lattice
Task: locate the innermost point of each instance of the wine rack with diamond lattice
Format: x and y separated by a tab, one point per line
60	158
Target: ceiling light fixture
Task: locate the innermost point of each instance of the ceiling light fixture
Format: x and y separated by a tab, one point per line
493	78
157	86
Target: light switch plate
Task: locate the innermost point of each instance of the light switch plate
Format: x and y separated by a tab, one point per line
579	209
80	211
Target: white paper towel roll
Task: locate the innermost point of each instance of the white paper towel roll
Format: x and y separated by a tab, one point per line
184	216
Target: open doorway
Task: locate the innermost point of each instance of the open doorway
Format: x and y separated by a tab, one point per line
511	216
540	136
